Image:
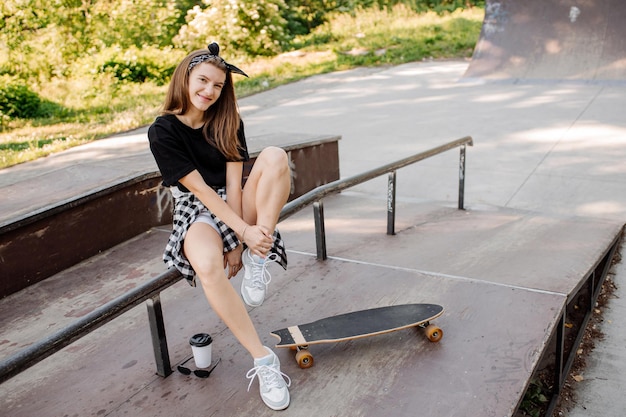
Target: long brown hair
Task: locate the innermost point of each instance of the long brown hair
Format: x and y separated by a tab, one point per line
221	120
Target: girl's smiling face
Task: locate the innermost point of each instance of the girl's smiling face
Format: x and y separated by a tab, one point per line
205	85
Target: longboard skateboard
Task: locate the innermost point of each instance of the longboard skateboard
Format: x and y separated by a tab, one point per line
356	325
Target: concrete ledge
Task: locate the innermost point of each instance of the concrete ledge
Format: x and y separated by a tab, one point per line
38	246
95	208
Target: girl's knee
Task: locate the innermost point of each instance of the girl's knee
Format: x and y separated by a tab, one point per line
209	271
275	157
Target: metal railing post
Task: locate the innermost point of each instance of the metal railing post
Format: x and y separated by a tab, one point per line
320	232
391	203
462	178
159	340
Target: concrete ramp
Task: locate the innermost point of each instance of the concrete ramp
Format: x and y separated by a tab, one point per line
538	40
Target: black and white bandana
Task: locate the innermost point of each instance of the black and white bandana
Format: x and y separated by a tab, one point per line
214	50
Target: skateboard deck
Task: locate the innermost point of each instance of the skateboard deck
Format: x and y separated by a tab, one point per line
356	325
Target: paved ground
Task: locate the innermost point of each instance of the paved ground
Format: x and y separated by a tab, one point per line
557	150
554	148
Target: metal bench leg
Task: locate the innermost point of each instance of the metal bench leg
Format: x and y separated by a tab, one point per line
159	340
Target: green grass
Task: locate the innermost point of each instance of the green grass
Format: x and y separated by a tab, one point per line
83	110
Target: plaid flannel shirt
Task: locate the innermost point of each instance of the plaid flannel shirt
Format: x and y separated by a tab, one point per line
187	207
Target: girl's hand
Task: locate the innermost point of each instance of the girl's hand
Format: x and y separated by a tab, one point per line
232	261
259	240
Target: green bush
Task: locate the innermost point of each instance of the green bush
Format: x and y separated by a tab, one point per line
304	16
18	101
138	65
438	6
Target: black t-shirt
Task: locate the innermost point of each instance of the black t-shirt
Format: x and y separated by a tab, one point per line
178	150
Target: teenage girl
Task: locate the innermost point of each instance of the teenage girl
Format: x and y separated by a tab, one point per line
199	145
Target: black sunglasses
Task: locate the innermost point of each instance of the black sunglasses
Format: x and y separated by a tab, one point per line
200	373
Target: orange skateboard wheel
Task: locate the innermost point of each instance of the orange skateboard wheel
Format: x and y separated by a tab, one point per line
304	359
433	333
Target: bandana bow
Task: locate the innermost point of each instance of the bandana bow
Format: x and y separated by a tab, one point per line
214	51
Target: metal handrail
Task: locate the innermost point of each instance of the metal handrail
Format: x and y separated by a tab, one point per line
337	186
38	351
151	290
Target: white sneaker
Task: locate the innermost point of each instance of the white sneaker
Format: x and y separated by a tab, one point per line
256	277
274	390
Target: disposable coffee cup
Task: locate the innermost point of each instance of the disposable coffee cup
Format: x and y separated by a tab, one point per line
201	349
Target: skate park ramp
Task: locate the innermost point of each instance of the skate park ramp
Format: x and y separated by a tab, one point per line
548	40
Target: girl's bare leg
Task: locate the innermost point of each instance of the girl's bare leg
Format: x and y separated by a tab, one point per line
264	195
267	188
203	248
